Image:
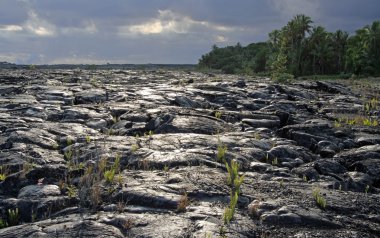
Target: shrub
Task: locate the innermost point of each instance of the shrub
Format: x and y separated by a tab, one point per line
3	224
283	78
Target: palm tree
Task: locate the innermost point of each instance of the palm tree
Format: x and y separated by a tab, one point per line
296	31
274	38
317	44
339	43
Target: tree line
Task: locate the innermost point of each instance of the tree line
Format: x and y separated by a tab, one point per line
299	49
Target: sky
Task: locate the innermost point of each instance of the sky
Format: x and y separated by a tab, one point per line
155	31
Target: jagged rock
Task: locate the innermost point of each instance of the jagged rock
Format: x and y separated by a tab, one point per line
39	191
143	153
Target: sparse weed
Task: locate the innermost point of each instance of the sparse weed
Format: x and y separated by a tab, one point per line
183	203
3	224
3	173
208	235
218	114
148	133
13	217
115	119
222	150
257	136
134	147
55	145
88	139
69	141
166	169
337	123
371	105
230	210
68	154
267	158
71	191
282	183
233	179
319	199
366	188
109	175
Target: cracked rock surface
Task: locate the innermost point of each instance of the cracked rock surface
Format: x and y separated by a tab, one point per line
133	153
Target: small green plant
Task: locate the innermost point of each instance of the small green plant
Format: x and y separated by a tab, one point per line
218	114
3	224
319	199
71	191
115	119
69	141
351	122
221	153
366	188
26	167
275	161
233	179
267	158
88	139
68	154
370	122
109	175
304	178
13	217
337	123
148	133
208	235
230	210
257	136
119	179
55	145
370	105
3	173
282	183
166	169
134	147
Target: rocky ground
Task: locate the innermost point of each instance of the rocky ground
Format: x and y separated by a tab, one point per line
140	154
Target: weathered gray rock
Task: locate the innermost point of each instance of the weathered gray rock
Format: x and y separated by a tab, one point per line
143	153
39	191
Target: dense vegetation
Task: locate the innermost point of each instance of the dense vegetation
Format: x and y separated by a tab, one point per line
302	49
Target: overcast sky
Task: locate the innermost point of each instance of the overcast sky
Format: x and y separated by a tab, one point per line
155	31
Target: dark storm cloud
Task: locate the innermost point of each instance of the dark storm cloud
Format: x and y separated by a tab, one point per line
166	31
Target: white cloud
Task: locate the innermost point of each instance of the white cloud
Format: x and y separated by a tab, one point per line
39	26
171	22
10	28
221	39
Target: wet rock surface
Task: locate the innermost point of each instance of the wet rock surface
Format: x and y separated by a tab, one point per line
125	153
